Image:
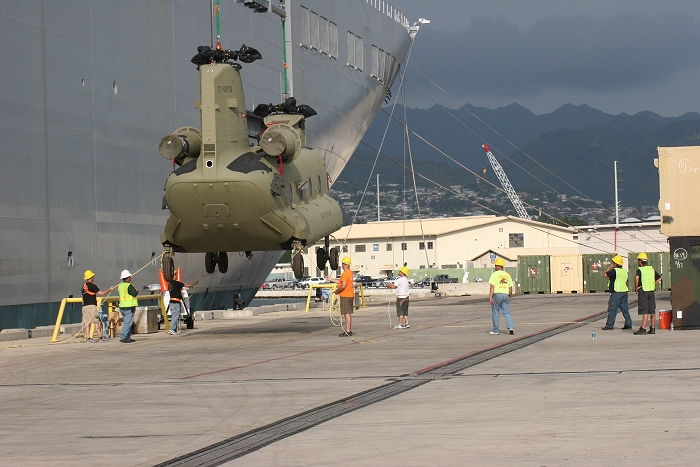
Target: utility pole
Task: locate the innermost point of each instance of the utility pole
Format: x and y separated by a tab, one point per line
617	205
379	217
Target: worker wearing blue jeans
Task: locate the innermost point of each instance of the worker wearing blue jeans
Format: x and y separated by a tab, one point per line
499	296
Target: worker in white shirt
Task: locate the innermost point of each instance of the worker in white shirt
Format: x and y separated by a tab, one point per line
401	286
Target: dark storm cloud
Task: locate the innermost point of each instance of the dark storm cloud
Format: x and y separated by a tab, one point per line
607	54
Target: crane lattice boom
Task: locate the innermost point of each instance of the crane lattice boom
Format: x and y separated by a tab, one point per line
503	178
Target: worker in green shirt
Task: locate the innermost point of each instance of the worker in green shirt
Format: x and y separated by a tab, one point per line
500	293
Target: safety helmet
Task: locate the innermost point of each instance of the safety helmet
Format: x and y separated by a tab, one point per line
88	274
617	259
125	274
500	262
643	257
404	270
346	260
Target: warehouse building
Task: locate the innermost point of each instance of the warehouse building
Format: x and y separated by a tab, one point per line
380	248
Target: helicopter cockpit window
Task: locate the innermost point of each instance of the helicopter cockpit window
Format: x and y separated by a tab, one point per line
290	192
311	188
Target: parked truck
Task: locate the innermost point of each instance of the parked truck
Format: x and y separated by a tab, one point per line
277	284
444	279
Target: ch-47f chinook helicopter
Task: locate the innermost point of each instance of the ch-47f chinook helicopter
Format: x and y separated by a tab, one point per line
227	196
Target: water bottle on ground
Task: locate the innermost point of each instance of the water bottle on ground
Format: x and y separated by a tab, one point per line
593	335
671	325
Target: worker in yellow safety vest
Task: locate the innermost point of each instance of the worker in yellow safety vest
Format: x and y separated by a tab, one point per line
644	283
127	305
618	294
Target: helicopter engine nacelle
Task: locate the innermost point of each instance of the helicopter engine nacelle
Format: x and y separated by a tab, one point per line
283	136
184	143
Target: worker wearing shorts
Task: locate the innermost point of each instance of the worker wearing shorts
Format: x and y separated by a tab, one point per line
346	291
645	283
402	292
90	315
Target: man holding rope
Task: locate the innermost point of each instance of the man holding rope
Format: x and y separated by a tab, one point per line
176	303
346	290
402	292
90	293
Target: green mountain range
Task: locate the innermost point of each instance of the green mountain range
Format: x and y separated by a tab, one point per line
571	150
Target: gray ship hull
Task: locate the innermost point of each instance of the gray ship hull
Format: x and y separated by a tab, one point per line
89	89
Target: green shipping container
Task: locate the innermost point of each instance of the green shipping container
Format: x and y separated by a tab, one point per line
655	261
593	267
685	299
666	268
533	274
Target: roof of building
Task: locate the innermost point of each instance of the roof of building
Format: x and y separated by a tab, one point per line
431	227
511	254
621	226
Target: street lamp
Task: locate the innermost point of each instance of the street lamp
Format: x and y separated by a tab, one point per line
414	29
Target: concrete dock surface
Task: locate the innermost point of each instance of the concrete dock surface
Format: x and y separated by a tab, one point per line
283	389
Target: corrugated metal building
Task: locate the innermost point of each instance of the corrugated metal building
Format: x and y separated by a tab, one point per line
450	243
622	238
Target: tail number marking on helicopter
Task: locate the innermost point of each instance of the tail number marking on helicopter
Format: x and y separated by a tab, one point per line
225	88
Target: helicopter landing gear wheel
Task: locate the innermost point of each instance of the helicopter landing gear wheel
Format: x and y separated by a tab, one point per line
223	262
210	262
168	266
333	256
298	265
321	258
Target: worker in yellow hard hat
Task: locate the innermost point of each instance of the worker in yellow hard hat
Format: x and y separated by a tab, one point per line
500	294
402	291
346	291
90	314
645	281
618	294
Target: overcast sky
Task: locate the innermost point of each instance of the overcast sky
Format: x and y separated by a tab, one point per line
615	55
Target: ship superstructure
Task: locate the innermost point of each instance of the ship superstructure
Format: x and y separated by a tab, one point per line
88	92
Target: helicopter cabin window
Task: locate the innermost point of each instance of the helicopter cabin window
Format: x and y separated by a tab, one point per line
305	34
311	188
319	185
290	192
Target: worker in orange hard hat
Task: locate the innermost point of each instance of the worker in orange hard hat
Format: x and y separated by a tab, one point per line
346	290
90	314
500	294
402	290
618	294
